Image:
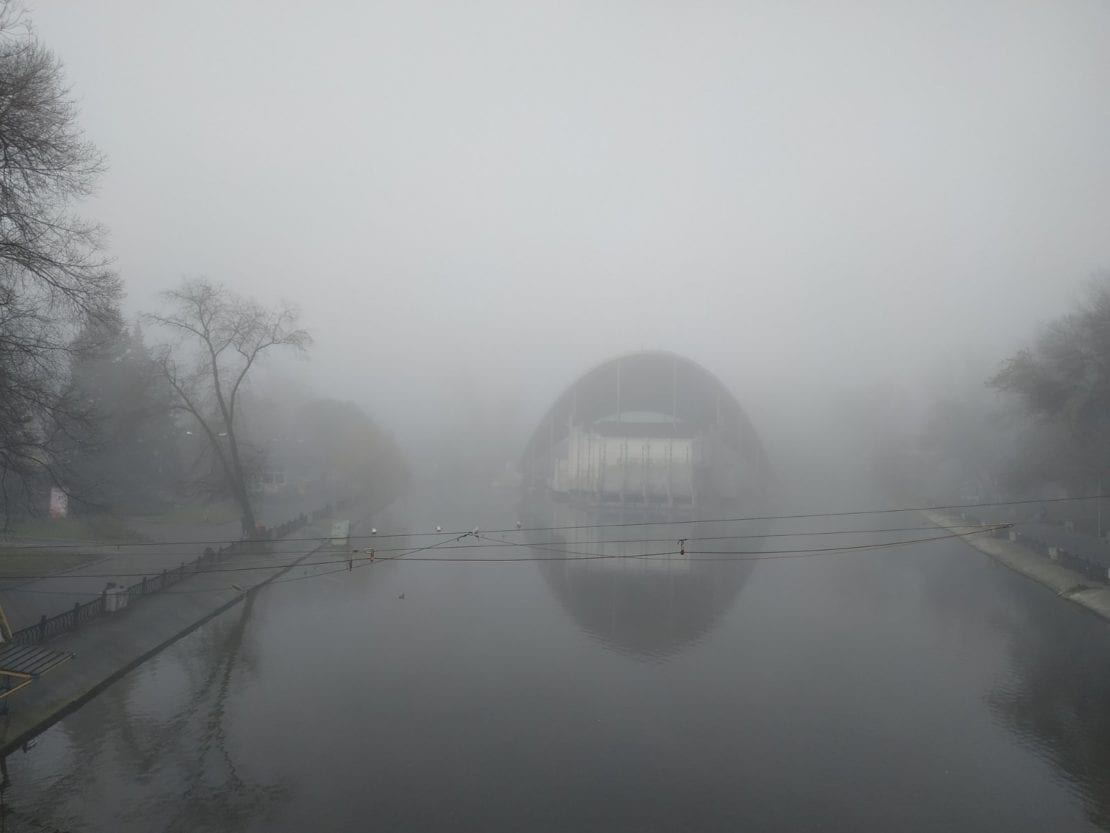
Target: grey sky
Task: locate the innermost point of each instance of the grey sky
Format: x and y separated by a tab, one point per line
786	192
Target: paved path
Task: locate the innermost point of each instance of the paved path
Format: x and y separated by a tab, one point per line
107	648
25	601
1050	533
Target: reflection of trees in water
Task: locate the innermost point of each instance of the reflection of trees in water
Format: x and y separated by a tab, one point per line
217	797
1055	692
192	743
642	605
1057	696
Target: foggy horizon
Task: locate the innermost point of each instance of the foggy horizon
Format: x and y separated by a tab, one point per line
555	416
491	200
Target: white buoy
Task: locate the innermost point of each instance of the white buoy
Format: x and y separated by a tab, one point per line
439	529
373	530
518	524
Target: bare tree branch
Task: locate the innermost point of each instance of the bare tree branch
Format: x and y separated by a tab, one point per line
54	277
222	337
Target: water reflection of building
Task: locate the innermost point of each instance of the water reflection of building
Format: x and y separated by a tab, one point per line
642	598
618	468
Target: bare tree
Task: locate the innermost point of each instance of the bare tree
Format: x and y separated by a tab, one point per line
220	337
54	276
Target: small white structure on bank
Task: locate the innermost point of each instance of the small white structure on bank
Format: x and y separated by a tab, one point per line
340	532
115	597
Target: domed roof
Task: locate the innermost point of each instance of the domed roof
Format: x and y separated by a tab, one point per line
649	382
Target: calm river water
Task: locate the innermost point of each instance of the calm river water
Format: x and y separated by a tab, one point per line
918	687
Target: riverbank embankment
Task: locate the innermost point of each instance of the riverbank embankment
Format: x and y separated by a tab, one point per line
109	647
1064	582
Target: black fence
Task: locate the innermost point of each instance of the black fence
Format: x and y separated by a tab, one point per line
70	620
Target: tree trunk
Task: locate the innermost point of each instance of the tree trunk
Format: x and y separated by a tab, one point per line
246	513
239	488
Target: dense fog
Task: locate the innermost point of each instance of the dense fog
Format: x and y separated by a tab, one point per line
474	204
554	416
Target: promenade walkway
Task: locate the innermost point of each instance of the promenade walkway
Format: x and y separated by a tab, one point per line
24	601
110	646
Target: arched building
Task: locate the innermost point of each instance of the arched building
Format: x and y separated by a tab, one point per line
649	429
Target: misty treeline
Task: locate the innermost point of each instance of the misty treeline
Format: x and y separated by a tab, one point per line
1035	426
1062	383
137	416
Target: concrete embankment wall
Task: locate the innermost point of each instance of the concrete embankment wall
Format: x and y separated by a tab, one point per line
1067	584
107	648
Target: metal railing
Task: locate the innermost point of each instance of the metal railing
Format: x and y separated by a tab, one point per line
49	627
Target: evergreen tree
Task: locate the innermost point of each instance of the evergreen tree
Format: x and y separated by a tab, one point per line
126	456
